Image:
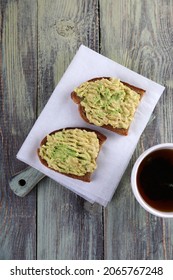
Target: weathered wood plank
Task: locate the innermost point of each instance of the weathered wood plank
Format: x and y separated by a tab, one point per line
137	34
68	226
18	82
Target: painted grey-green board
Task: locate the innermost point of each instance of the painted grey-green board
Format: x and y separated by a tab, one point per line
137	34
39	39
18	93
68	227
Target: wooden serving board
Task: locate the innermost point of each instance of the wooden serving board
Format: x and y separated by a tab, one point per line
23	182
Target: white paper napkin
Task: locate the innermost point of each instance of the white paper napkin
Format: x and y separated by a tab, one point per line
60	111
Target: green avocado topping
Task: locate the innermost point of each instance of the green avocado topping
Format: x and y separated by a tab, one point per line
108	102
71	151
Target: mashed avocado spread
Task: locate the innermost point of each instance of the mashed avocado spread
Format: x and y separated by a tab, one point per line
108	102
71	151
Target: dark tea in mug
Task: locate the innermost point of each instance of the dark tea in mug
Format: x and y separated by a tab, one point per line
155	179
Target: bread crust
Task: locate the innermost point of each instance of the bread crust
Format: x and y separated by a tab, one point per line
87	177
78	100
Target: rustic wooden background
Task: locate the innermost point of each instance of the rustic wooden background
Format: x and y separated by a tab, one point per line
38	41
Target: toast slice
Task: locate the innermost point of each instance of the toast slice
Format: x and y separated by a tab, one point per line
120	129
79	145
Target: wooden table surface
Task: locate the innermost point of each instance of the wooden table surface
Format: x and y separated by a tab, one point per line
38	41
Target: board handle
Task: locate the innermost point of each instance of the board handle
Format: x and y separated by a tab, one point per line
23	182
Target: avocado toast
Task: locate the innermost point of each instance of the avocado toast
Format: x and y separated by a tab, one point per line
108	103
72	151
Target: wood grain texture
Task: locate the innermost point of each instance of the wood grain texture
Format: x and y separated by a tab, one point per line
18	82
137	34
68	226
38	41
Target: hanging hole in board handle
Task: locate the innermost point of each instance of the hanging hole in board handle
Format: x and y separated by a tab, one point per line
22	182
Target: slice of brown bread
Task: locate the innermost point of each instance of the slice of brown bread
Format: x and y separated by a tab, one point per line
87	177
78	100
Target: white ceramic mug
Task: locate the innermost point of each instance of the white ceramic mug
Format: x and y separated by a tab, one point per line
143	203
